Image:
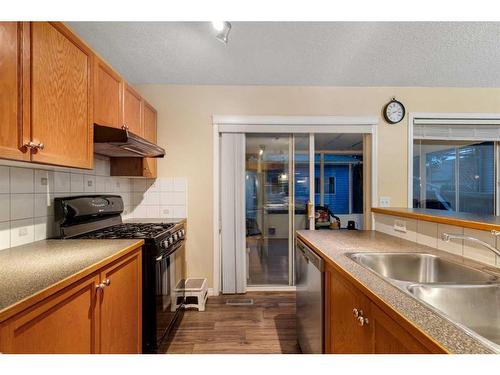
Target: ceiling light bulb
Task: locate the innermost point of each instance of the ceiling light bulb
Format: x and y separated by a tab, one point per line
222	28
218	25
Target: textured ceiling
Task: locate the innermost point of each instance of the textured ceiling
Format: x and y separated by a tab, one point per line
302	53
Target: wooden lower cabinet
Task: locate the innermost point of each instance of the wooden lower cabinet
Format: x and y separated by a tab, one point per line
354	324
86	317
120	307
63	323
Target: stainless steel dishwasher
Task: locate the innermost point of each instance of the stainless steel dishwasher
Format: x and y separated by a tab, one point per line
309	283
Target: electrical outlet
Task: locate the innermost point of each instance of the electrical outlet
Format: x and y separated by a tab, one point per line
44	181
385	202
23	232
400	226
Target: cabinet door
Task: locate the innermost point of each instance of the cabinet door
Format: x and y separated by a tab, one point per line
108	87
390	338
150	118
120	306
132	110
61	105
346	335
63	323
12	134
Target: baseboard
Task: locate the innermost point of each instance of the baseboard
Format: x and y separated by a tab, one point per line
271	288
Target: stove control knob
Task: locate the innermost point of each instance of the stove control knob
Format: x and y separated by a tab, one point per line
183	232
171	240
181	235
175	236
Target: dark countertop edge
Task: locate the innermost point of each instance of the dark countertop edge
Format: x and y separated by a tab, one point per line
34	298
443	217
380	298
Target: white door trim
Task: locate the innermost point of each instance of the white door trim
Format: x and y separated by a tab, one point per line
434	115
281	124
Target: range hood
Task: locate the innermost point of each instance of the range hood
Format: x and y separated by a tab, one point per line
120	143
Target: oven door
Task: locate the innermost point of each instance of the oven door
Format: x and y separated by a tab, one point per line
168	303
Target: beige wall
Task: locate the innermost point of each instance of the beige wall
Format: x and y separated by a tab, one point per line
185	130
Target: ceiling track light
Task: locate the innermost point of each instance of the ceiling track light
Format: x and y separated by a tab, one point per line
222	28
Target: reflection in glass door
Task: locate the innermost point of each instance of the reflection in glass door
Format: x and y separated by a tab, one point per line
267	192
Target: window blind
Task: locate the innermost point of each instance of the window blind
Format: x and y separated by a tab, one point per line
457	129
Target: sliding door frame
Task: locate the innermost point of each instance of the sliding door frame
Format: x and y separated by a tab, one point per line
288	125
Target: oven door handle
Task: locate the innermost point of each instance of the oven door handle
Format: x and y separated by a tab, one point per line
170	252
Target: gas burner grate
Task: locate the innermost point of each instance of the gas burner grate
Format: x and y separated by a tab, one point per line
130	230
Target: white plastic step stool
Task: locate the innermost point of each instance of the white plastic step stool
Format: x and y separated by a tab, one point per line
195	293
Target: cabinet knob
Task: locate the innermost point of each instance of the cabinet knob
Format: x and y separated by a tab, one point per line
362	321
357	312
30	145
104	284
40	146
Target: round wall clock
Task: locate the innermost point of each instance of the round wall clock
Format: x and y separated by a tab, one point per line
394	111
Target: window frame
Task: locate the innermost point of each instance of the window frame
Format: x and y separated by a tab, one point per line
464	117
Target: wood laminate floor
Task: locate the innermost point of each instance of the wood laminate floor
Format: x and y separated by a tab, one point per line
267	326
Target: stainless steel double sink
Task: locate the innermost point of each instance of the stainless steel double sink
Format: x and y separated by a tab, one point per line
467	296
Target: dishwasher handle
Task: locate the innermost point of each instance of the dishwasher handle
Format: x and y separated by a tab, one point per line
310	255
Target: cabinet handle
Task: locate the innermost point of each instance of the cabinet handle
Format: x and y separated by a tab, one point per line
40	146
362	321
104	284
125	127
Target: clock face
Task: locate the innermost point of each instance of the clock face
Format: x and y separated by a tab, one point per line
394	112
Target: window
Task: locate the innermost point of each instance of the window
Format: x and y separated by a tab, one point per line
455	176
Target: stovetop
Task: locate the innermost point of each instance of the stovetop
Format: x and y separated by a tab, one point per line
130	230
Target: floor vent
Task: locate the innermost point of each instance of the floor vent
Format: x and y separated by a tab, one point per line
239	302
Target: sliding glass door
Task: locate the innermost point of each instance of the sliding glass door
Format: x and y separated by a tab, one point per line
295	182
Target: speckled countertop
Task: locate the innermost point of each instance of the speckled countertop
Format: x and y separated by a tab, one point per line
333	245
156	220
29	269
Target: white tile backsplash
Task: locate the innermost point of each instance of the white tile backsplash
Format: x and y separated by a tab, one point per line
430	234
4	180
4	235
62	182
21	206
4	207
21	180
89	184
22	232
44	181
76	181
27	197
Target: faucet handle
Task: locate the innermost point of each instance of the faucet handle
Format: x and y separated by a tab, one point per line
495	232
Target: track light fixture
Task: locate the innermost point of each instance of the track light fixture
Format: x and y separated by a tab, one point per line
222	28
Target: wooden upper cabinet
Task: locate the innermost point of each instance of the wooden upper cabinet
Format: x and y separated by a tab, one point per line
108	97
132	110
63	323
150	133
121	307
12	134
61	96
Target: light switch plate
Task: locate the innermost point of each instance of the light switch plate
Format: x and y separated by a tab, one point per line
385	202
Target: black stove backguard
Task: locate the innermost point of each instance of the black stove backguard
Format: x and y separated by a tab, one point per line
84	213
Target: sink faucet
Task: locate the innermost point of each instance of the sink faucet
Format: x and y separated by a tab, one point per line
448	236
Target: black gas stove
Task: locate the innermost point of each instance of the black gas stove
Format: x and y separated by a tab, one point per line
131	230
99	217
